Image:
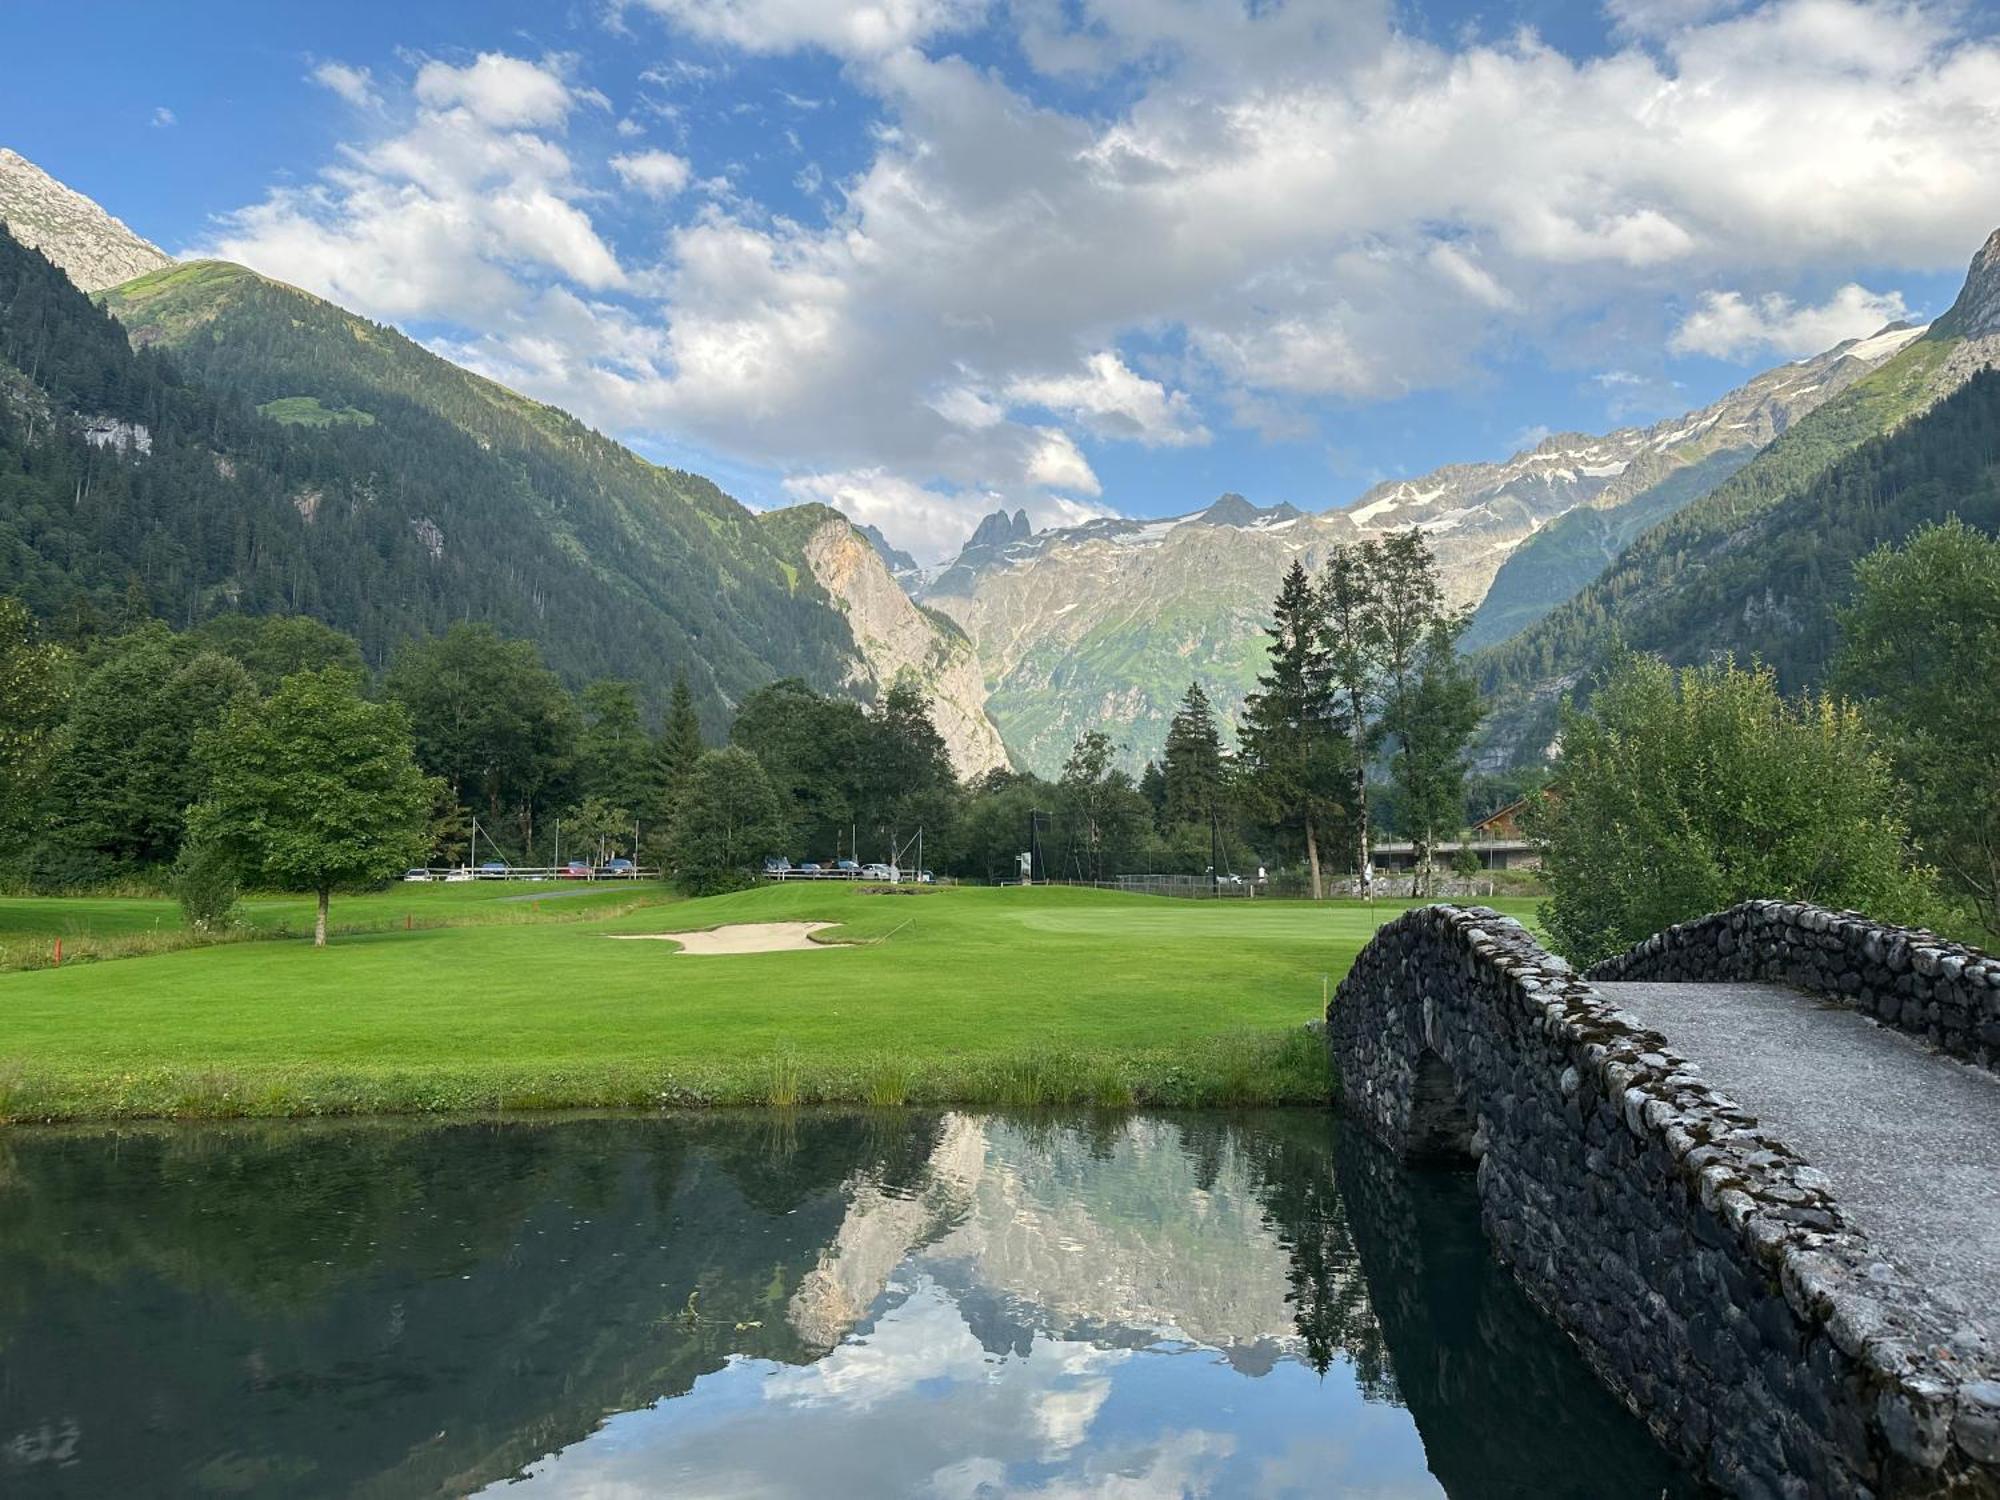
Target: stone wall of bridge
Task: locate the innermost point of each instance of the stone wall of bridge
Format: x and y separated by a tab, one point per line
1702	1266
1905	977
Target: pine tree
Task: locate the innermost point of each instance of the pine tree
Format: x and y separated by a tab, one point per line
1192	766
1290	740
1430	704
1433	718
1347	607
676	751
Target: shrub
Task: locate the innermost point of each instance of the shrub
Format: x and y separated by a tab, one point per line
1684	792
205	883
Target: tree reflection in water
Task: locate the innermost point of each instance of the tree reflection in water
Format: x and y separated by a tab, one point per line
869	1303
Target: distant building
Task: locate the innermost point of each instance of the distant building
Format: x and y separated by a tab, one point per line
1502	823
1499	839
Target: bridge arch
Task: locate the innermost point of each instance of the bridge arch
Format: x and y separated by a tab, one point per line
1703	1267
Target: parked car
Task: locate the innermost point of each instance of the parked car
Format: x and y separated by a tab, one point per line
418	875
809	868
924	877
576	869
777	864
847	866
623	867
493	869
878	872
454	877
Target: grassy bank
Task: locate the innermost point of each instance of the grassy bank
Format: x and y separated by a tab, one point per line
988	996
96	928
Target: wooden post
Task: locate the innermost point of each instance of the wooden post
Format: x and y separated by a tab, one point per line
58	953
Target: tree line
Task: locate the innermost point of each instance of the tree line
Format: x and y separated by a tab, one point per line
127	749
263	750
1682	791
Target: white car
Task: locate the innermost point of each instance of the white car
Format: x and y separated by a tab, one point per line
878	872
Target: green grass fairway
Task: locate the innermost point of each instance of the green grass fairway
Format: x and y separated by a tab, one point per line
935	996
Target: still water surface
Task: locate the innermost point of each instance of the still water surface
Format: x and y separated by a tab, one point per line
739	1304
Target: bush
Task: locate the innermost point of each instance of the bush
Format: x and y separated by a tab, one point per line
206	885
1684	792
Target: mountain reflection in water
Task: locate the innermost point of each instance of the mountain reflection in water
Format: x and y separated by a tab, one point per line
889	1303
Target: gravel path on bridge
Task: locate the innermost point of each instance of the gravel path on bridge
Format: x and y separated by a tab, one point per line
1910	1137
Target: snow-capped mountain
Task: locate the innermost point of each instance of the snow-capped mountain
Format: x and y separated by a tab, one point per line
1106	622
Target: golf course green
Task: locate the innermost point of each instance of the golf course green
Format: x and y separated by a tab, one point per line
914	995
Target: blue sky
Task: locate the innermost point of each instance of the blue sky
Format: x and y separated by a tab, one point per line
922	257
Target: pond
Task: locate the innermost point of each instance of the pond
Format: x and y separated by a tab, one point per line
747	1304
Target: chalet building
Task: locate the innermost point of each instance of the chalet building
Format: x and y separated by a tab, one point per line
1498	839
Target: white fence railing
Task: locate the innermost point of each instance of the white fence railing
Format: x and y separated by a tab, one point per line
456	873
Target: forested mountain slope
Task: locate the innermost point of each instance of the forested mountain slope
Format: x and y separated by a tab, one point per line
420	494
1757	566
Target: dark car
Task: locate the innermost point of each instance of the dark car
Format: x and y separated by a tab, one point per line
620	867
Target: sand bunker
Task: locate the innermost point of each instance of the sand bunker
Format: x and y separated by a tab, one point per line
744	937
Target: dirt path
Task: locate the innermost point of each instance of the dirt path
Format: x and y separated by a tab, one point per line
744	937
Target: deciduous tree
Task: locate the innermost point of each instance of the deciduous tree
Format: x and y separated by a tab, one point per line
315	788
1923	646
730	820
33	698
614	760
490	719
1684	792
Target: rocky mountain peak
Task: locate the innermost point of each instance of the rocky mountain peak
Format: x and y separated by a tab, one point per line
899	561
93	248
1230	510
1000	529
1976	313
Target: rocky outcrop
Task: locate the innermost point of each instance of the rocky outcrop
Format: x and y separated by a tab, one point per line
896	637
1976	312
96	250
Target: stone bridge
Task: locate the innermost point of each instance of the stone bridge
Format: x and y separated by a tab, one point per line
1752	1168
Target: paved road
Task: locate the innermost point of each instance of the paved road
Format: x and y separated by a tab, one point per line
1910	1137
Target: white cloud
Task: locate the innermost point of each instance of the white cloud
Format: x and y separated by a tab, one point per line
964	406
1658	18
1058	464
847	28
457	217
930	523
659	174
1309	205
498	90
355	85
163	117
1110	399
1730	326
